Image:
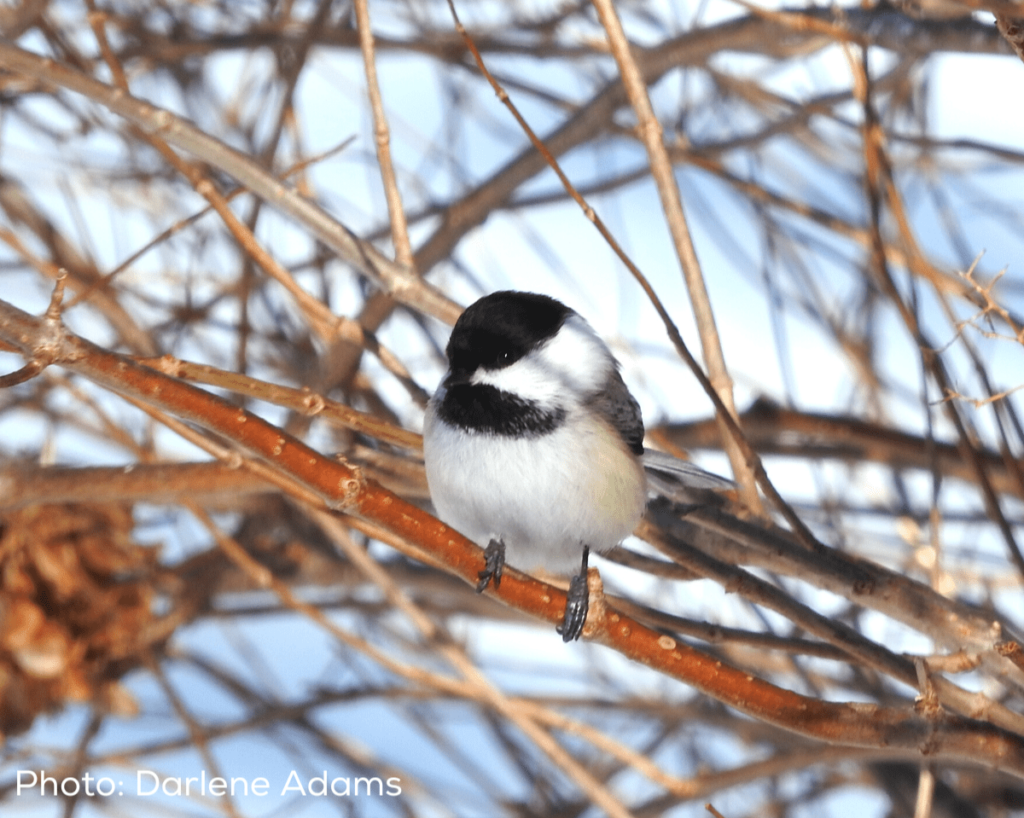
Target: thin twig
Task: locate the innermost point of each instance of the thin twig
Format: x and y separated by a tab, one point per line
663	174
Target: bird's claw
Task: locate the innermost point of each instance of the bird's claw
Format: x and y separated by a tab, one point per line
577	603
494	556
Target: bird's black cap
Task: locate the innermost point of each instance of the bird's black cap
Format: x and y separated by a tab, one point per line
501	328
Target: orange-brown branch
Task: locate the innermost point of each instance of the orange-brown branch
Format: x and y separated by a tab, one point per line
343	487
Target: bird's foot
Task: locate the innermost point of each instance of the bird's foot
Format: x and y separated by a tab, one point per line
494	556
577	603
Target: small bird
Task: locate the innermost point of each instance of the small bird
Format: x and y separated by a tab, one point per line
534	445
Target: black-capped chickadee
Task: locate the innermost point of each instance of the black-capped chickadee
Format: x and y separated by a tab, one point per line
534	445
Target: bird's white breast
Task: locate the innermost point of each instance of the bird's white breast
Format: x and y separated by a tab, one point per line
544	496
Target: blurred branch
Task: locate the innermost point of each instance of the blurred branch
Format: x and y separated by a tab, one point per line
651	135
774	429
395	280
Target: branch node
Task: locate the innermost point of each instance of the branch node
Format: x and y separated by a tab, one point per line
57	297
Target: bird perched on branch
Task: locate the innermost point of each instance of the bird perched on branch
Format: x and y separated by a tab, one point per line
534	445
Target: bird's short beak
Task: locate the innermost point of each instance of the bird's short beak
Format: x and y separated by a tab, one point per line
457	377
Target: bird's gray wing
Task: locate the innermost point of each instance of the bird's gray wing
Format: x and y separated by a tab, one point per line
616	405
685	473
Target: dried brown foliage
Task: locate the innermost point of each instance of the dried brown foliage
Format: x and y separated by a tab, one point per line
76	606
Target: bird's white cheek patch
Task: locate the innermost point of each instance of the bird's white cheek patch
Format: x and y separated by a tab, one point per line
524	379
